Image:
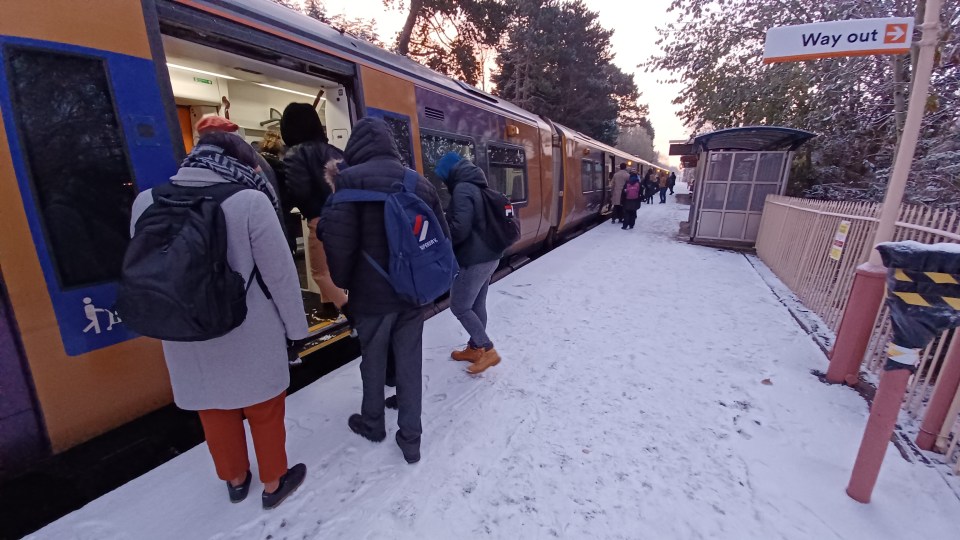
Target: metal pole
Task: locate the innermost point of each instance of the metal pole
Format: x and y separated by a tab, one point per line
911	130
866	294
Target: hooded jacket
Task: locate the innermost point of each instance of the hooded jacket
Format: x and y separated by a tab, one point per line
306	187
350	229
467	216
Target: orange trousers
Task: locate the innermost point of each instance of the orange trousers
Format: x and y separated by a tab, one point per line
227	440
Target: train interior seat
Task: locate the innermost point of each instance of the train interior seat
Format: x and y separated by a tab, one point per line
253	94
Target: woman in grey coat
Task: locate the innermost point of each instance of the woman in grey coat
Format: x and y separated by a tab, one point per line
243	374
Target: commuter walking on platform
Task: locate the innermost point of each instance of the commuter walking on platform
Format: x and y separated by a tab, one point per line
477	259
306	160
616	189
662	184
225	334
357	247
672	181
630	197
649	187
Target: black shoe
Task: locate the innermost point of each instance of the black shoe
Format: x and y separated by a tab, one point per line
391	403
357	426
624	227
412	455
631	227
239	493
289	483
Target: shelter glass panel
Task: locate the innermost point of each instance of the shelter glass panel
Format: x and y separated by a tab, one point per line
753	226
733	224
84	196
709	224
738	197
714	195
744	165
771	167
719	169
760	192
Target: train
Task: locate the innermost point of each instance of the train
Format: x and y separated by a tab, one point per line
99	100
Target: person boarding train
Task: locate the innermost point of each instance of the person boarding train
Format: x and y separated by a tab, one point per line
234	366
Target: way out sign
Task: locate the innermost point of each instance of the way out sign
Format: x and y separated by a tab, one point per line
856	37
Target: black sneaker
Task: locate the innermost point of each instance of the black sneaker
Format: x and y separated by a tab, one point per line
239	493
411	453
357	426
289	483
391	403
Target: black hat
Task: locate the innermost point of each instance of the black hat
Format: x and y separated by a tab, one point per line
301	123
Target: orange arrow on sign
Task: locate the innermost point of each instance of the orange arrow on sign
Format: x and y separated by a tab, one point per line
895	33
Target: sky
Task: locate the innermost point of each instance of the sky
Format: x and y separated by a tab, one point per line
634	40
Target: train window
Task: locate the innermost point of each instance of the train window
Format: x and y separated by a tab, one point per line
76	154
435	146
400	129
508	171
591	177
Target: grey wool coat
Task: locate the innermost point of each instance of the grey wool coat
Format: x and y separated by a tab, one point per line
248	365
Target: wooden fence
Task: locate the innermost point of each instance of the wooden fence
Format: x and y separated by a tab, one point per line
795	240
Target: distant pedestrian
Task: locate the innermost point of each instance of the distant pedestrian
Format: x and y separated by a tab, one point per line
306	159
478	261
649	187
630	198
672	181
242	373
662	185
616	187
355	240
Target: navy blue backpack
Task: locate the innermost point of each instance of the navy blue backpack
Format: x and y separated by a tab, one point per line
422	264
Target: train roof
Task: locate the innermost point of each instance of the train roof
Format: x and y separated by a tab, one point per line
289	20
572	133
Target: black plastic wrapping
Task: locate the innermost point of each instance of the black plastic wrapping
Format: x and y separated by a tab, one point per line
921	305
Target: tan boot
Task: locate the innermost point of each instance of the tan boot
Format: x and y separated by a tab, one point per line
488	359
468	354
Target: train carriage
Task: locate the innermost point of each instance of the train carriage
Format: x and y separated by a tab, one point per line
100	100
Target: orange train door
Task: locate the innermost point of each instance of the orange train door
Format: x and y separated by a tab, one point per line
84	126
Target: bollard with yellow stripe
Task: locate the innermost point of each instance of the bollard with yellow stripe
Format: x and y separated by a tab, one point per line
923	294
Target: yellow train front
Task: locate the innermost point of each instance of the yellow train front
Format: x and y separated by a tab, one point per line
100	100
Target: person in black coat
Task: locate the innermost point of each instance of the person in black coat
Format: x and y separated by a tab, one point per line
672	181
477	260
305	163
382	319
649	186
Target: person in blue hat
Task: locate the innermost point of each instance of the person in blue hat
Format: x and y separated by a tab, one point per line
477	260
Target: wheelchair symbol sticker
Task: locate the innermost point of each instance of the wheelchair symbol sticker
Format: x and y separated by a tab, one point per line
92	313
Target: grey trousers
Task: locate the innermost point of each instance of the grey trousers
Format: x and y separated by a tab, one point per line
402	334
468	300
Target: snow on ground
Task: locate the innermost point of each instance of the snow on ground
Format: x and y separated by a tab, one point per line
630	404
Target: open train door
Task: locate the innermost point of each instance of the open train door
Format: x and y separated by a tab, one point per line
84	127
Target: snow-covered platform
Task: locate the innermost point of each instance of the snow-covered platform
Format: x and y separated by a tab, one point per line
649	389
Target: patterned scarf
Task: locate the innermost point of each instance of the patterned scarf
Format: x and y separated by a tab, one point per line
208	156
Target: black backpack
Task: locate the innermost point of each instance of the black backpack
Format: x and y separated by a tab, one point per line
176	283
503	226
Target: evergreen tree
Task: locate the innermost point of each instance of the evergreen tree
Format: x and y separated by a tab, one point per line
315	9
558	63
452	36
855	105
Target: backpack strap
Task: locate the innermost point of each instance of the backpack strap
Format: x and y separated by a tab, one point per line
256	275
218	192
410	180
